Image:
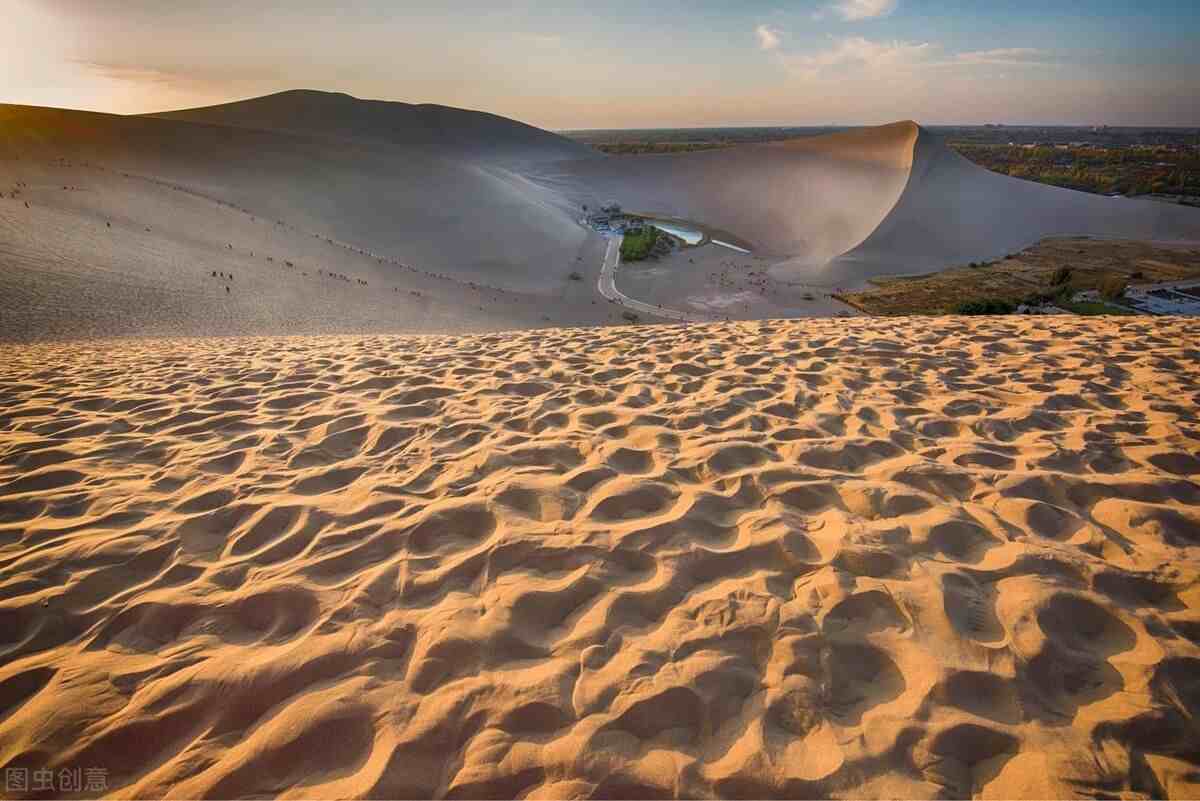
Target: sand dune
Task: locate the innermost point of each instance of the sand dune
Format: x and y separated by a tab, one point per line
480	201
441	208
836	210
476	134
854	558
954	212
99	252
811	199
114	226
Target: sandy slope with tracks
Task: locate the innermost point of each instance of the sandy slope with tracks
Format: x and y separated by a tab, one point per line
455	207
852	558
441	220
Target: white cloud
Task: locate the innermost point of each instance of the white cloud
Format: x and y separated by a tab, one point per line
768	38
177	75
850	56
1002	55
852	10
857	54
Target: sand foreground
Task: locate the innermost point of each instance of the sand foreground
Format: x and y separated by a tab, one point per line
874	558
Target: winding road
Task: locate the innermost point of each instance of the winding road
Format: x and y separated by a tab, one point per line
608	288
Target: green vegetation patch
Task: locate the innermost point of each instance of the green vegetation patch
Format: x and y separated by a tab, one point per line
1125	170
635	247
986	306
1092	307
1052	271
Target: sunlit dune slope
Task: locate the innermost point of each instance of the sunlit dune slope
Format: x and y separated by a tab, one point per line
901	558
885	145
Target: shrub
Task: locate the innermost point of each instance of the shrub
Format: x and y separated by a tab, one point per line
1112	287
1056	295
637	246
576	276
986	306
1061	276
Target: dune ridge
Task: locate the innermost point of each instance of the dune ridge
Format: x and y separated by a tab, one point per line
477	134
809	199
920	557
838	209
893	145
952	212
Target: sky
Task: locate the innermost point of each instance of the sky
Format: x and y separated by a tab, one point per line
619	64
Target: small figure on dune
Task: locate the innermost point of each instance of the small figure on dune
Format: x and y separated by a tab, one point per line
214	275
108	225
226	290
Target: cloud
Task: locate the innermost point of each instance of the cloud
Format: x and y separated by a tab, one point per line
768	38
172	75
851	56
1004	56
853	10
124	72
544	40
858	54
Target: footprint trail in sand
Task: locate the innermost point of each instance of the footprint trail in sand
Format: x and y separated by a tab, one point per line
878	557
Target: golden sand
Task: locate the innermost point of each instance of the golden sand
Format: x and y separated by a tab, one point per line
871	558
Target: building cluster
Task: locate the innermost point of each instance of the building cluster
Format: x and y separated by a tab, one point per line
1172	299
610	217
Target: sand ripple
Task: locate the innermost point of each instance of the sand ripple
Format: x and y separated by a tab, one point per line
878	557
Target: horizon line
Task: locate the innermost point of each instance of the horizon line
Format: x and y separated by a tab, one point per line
689	127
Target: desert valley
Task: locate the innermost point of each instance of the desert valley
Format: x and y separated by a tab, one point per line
338	215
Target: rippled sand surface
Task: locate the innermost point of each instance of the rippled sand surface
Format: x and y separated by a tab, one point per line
853	558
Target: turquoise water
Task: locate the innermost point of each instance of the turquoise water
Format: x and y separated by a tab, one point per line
686	234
